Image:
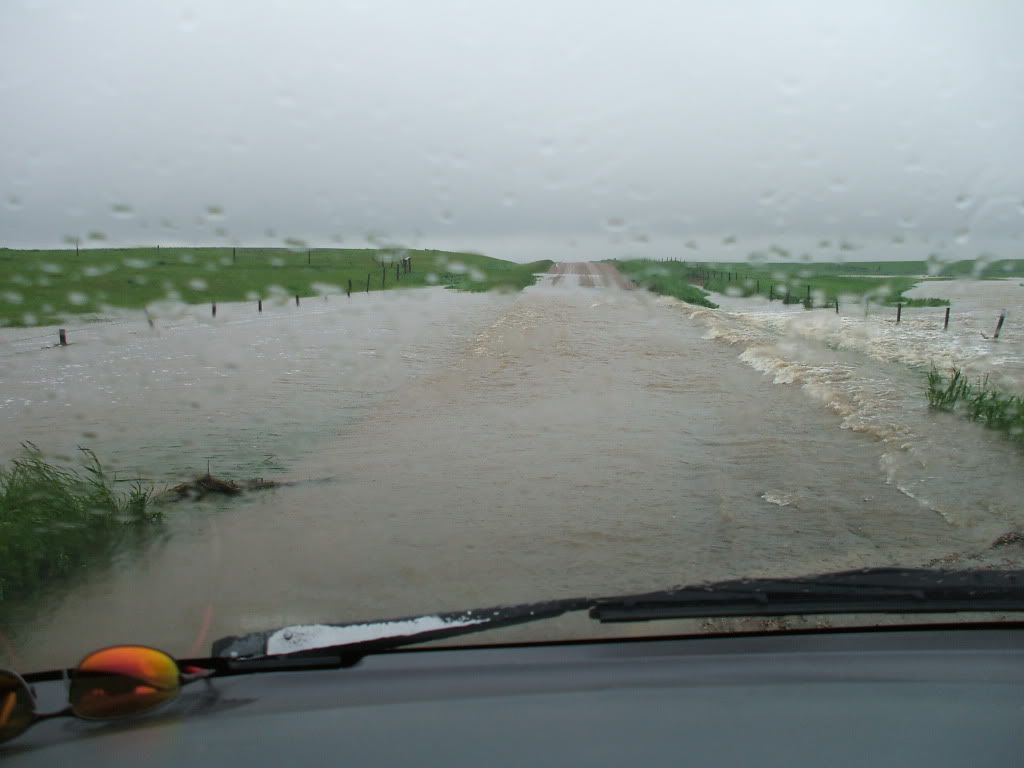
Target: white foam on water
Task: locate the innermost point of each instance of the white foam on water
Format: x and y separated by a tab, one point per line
777	498
869	371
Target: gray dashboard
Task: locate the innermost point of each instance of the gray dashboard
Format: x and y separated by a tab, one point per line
936	698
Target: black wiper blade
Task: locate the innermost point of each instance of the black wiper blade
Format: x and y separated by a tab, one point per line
357	639
873	590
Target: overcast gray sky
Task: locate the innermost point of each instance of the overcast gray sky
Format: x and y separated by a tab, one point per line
476	124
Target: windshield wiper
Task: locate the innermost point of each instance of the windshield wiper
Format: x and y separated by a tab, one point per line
873	590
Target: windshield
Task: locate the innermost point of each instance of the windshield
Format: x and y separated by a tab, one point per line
343	311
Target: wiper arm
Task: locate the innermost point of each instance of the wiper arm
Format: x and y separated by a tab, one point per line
873	590
356	640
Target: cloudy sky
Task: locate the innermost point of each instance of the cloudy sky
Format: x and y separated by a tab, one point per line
493	125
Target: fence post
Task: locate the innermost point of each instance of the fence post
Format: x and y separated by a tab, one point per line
234	259
945	324
383	275
999	324
771	292
309	256
259	304
63	336
296	299
349	291
367	283
398	273
213	309
899	312
409	260
758	289
808	292
837	305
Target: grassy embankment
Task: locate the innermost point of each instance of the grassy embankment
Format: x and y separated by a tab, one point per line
667	278
810	284
42	287
977	401
56	522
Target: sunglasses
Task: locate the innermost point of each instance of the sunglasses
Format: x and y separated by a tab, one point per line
111	683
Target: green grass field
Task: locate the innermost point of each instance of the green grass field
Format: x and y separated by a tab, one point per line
667	278
813	285
43	287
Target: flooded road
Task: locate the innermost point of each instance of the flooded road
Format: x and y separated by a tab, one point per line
578	438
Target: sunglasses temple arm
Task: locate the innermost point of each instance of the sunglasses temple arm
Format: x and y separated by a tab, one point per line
66	712
191	677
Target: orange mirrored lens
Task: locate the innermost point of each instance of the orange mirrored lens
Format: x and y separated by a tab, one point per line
121	681
17	709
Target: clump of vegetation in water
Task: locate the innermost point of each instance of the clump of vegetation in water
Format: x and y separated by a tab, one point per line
54	521
977	401
918	302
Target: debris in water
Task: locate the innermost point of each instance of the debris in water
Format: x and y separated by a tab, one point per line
1010	537
207	484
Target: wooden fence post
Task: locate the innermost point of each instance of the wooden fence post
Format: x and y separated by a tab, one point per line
259	304
367	283
63	336
999	324
213	309
899	312
296	299
945	324
349	291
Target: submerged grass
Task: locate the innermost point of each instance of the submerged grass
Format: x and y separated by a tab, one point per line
56	521
819	284
977	401
774	260
41	287
813	285
919	302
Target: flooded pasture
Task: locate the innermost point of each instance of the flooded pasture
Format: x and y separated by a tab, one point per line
456	450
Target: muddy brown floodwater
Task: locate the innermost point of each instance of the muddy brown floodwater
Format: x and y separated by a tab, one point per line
579	438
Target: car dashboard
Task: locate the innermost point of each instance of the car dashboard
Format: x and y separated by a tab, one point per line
911	696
